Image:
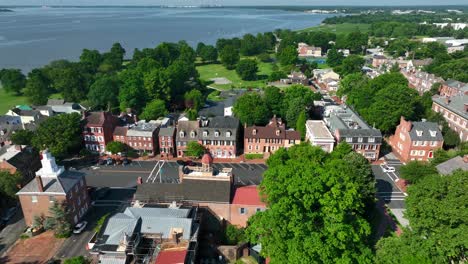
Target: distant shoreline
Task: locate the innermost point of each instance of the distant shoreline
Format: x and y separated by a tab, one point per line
5	10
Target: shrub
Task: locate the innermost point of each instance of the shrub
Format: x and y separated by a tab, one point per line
234	235
253	156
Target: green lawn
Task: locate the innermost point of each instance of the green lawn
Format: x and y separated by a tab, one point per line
210	71
339	28
7	101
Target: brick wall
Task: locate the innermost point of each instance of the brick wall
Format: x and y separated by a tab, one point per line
240	218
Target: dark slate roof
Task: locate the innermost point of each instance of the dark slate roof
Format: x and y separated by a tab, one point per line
456	104
187	127
166	131
120	131
61	184
451	165
425	127
221	124
25	112
95	118
187	190
269	131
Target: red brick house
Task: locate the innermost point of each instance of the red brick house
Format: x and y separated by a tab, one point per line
453	87
143	137
98	130
245	203
268	139
455	111
53	184
187	131
167	143
416	140
219	136
379	60
120	134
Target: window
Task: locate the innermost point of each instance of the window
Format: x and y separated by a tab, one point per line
52	199
250	147
34	199
242	211
371	140
258	209
415	143
433	143
278	132
433	133
192	134
349	139
205	133
181	134
419	133
254	132
216	133
359	139
162	138
228	134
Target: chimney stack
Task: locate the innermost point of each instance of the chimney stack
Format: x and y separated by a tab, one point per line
40	185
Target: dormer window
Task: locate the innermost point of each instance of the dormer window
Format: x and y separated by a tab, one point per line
419	133
216	133
228	134
205	133
182	134
254	132
433	133
278	132
192	134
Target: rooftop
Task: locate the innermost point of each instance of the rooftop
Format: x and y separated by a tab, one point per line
318	129
167	131
425	131
455	104
142	128
247	195
349	123
449	166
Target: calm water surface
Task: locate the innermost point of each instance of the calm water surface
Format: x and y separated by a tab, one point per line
32	37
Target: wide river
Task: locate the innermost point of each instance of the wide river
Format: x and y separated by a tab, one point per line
32	37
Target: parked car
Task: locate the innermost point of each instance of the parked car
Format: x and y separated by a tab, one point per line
9	214
109	161
125	162
180	162
80	227
386	168
102	162
190	163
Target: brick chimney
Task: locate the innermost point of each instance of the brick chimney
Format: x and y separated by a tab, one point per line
40	185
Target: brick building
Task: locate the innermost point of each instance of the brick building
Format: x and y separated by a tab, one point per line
219	136
454	109
268	139
305	50
452	88
187	131
53	184
379	60
421	81
143	137
98	130
245	203
416	140
167	143
348	126
120	134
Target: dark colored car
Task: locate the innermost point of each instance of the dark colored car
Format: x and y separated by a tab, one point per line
190	163
109	161
125	162
102	162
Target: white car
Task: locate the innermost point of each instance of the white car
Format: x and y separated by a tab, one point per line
386	168
80	227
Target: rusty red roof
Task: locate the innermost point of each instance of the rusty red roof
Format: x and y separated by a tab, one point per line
171	257
247	195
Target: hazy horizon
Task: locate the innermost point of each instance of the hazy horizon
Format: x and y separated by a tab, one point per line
226	3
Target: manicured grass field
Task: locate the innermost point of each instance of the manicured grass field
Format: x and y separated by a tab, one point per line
339	28
210	71
7	101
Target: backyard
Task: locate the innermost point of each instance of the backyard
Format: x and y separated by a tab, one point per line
7	101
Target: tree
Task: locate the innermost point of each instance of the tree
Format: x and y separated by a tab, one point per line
22	137
316	208
76	260
9	185
301	124
234	235
415	171
12	80
61	134
288	56
251	109
132	92
351	64
157	84
334	58
91	59
273	100
154	110
393	102
194	99
247	69
208	53
115	147
264	57
276	76
249	45
194	149
69	79
296	99
104	92
37	87
59	220
199	48
229	57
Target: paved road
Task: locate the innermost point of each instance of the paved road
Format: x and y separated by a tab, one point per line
126	177
386	187
12	231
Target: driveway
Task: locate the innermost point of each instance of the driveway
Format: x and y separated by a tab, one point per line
126	177
12	231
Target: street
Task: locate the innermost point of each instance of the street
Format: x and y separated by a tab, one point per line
386	187
12	231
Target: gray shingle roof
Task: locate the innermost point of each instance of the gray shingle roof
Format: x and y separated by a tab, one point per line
187	127
451	165
426	128
61	184
167	131
456	104
220	124
351	124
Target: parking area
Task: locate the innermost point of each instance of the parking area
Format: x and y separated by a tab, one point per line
126	176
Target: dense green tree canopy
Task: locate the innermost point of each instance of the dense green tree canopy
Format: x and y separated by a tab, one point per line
351	64
9	185
104	93
247	69
273	100
132	92
12	80
229	57
195	149
415	171
209	53
61	134
315	208
22	137
37	87
288	56
194	99
251	109
334	58
154	110
115	147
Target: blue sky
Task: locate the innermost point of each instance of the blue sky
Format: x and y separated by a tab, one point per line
230	2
